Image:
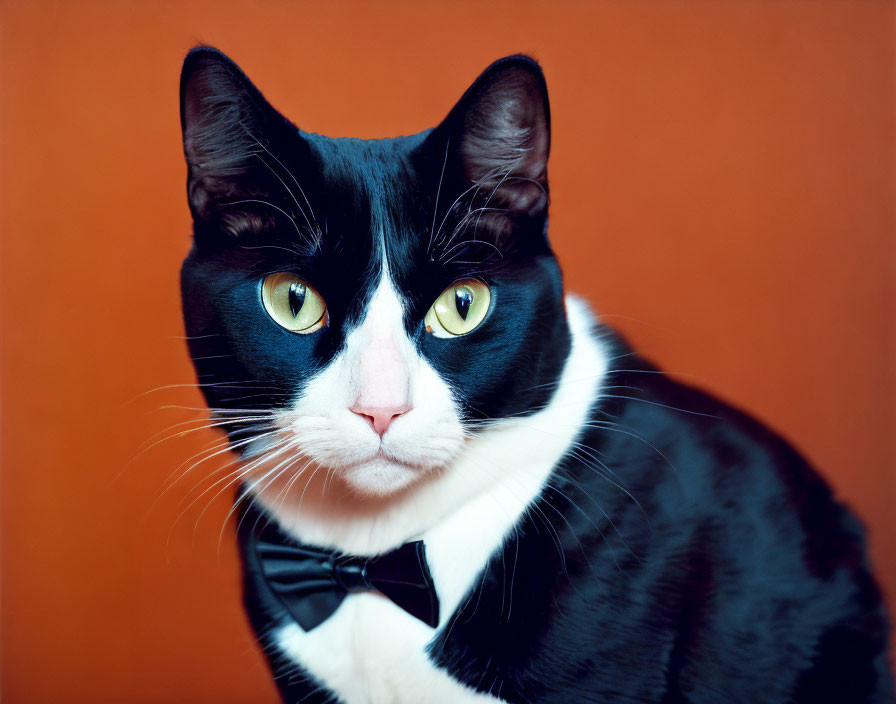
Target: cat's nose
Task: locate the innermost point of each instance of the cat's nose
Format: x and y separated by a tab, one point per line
379	417
381	375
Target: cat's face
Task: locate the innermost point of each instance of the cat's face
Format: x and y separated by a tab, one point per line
365	308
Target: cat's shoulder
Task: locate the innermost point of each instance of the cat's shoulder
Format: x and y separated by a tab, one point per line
706	458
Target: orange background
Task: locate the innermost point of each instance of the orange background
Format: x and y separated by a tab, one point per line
723	190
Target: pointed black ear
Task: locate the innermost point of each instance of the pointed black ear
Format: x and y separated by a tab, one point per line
502	134
493	152
226	125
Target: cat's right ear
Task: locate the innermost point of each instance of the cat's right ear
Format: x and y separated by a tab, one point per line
227	125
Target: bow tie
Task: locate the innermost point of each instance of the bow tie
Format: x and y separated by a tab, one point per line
311	582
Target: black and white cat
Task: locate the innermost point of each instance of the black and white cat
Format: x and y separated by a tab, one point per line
458	486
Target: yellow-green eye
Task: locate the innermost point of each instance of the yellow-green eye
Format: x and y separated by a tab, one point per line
459	310
293	303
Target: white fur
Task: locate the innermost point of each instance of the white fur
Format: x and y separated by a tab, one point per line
462	496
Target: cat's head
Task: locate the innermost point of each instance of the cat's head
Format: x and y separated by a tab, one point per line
369	306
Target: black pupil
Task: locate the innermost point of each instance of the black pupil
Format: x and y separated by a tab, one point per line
463	297
296	297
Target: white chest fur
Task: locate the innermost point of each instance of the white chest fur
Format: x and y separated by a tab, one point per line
371	651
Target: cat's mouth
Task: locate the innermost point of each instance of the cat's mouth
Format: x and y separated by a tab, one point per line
340	446
382	474
378	473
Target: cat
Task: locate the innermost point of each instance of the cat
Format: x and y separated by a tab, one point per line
459	486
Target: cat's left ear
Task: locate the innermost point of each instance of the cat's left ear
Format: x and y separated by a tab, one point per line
495	144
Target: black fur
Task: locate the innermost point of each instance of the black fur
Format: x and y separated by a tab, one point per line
681	553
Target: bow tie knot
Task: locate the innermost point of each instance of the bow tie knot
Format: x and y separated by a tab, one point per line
351	574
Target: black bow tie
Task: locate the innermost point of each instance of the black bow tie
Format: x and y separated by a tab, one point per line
311	582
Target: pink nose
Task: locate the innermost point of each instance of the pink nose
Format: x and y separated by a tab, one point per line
380	418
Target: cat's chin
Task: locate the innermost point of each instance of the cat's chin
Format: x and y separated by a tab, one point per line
381	476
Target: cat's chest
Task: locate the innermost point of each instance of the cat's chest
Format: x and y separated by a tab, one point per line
371	652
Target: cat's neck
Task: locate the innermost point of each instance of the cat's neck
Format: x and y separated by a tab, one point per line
499	472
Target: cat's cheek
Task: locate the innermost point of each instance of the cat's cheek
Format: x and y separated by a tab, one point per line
335	439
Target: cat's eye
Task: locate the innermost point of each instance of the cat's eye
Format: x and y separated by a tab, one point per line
293	303
459	309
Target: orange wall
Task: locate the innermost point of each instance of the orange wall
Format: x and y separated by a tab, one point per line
722	189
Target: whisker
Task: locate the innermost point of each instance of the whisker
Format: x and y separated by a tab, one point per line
294	180
204	425
450	208
662	405
491	195
258	492
199	385
258	201
469	242
228	480
216	451
245	471
194	337
252	492
284	492
291	195
214	410
435	209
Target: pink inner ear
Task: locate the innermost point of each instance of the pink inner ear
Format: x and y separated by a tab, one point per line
382	378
